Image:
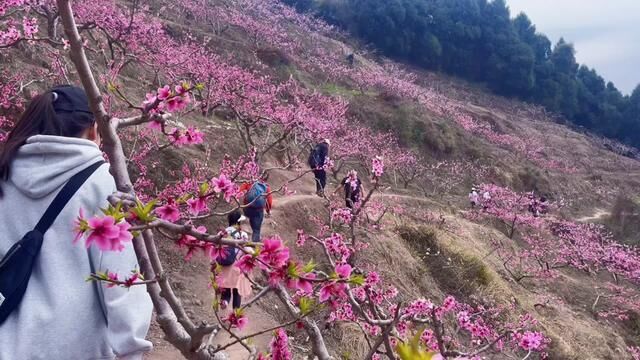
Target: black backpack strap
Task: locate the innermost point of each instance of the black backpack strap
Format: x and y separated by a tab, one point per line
63	197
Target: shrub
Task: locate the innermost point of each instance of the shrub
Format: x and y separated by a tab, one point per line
532	179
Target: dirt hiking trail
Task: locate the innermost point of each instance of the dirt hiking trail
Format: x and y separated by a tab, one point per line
599	214
192	283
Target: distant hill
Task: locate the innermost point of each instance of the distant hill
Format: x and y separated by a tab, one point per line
479	41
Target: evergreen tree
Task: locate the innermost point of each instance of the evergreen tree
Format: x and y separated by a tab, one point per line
479	41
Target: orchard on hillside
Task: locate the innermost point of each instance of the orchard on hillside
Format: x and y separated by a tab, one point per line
178	79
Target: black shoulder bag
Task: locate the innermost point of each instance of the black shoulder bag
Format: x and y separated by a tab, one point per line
16	266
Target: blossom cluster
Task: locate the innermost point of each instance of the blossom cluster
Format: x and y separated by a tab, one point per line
105	232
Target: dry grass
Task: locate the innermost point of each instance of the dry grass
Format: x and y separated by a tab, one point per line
457	272
624	221
352	342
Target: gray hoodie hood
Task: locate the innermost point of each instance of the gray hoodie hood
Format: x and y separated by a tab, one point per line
46	162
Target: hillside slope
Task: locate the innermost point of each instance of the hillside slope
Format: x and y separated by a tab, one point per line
444	119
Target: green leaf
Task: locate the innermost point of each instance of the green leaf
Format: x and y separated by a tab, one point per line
413	350
204	188
143	211
215	304
306	305
115	212
183	199
292	270
137	271
357	280
309	267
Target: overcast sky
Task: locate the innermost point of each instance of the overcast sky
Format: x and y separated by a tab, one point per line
606	33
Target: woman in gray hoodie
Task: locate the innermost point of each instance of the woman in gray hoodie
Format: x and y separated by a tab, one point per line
61	315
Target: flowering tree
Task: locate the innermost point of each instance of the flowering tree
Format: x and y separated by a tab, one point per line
445	177
513	208
551	244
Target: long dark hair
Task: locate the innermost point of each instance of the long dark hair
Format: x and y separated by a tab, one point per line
40	118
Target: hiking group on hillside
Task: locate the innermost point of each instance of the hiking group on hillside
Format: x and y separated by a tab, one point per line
51	165
537	206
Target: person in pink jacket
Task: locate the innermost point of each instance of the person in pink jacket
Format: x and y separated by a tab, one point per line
234	285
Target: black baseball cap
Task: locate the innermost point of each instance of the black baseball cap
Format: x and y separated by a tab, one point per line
69	98
235	217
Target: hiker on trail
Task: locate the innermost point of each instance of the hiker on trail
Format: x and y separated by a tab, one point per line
234	283
486	199
257	199
352	188
317	160
351	59
533	205
538	207
54	150
473	197
543	207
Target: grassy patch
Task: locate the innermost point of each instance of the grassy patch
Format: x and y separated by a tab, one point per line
530	178
457	272
339	90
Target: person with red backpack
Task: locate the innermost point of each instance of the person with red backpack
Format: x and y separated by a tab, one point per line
257	199
317	160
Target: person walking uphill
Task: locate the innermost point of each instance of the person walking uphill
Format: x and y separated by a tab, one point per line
353	189
61	316
474	197
257	199
234	283
317	160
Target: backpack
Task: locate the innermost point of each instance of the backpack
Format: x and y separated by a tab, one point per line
314	158
256	197
16	266
230	252
230	256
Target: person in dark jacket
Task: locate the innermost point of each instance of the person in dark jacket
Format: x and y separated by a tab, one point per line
317	161
353	189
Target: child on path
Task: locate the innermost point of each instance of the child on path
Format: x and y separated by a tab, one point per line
234	283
